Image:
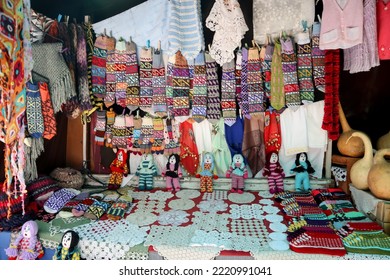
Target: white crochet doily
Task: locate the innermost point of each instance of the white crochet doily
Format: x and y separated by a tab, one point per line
181	204
278	236
212	206
252	211
210	221
249	243
169	252
173	217
138	195
266	201
169	235
241	198
271	209
160	195
265	194
279	245
274	218
188	194
212	238
141	218
254	228
278	227
221	195
151	206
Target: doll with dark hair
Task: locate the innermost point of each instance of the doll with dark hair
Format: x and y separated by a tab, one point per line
173	173
274	172
302	168
67	249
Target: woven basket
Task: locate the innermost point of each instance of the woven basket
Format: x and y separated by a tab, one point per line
68	177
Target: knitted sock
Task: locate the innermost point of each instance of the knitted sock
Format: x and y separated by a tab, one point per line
318	57
199	101
82	206
100	127
109	98
98	68
305	68
121	57
145	79
180	86
213	101
117	210
158	84
146	137
49	119
244	83
290	77
228	91
34	115
110	119
171	137
158	136
132	92
169	86
238	78
255	83
129	123
82	69
191	71
119	139
277	85
266	67
96	210
135	149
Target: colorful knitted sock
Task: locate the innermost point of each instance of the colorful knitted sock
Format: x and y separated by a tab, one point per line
180	86
129	123
132	91
110	119
228	91
169	86
158	136
49	119
171	137
119	139
266	67
109	98
98	68
117	210
238	78
82	69
191	71
146	137
35	124
213	101
80	208
135	149
290	77
158	84
255	83
318	57
100	127
199	101
96	210
121	56
244	83
305	68
277	85
145	79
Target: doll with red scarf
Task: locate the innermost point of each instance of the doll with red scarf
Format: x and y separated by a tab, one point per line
274	173
119	168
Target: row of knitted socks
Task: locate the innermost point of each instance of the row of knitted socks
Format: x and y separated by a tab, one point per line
145	79
213	101
132	91
255	83
305	68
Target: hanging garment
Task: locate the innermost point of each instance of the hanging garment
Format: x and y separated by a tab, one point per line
34	117
49	118
220	148
158	84
318	58
277	86
136	145
158	136
132	91
118	130
228	23
202	134
305	68
273	17
110	120
180	86
145	79
253	148
189	155
129	123
199	101
255	83
169	86
228	93
234	136
342	24
213	101
98	68
266	67
383	24
82	69
146	137
244	83
171	136
272	133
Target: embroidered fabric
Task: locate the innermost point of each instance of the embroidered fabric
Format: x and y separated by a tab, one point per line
252	211
279	245
210	221
188	194
142	218
273	17
255	228
187	253
181	204
249	243
229	25
169	235
173	217
160	195
212	206
241	198
151	206
221	195
281	236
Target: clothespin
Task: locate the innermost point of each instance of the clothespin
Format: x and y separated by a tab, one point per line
159	45
130	39
148	44
209	47
319	18
137	114
86	19
304	25
59	17
105	32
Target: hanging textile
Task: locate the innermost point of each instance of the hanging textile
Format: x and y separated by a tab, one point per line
180	86
199	101
100	127
238	74
158	84
49	118
272	132
169	85
383	24
234	136
145	79
244	83
213	101
255	83
132	91
82	69
118	130
305	68
34	117
228	92
266	67
189	156
158	136
220	148
171	136
277	85
146	136
318	58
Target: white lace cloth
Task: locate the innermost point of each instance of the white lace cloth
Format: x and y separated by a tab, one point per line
169	235
188	194
266	201
181	204
229	25
141	218
252	211
241	198
212	206
160	195
265	194
255	228
271	209
173	217
221	195
187	253
138	195
109	239
210	221
274	218
151	206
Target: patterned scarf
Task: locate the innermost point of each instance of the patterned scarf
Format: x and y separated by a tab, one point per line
266	66
305	69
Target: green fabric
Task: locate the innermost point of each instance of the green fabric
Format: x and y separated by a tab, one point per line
277	85
221	152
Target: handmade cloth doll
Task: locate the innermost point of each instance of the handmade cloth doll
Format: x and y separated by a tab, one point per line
238	172
302	168
119	168
146	171
67	249
173	172
207	173
27	245
274	173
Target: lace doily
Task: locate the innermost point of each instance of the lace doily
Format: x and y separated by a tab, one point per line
188	194
141	218
249	243
169	235
210	221
252	211
173	217
187	253
151	206
241	198
138	195
279	245
278	227
271	209
273	218
212	238
265	194
212	206
278	236
339	173
266	201
229	25
221	195
255	228
181	204
160	195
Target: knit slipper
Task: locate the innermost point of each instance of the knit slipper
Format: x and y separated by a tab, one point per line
96	210
117	210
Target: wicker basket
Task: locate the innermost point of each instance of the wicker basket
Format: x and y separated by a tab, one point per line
68	177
